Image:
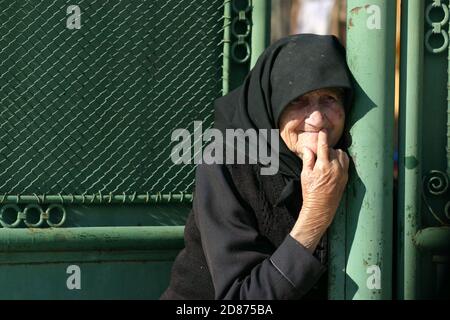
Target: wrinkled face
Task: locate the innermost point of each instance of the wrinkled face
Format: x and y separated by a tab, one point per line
301	121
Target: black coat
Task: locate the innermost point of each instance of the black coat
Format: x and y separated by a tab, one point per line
237	242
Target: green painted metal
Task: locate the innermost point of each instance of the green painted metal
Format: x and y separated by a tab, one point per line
113	263
95	238
95	215
240	31
85	134
337	254
433	239
369	214
261	28
129	277
424	206
226	47
410	142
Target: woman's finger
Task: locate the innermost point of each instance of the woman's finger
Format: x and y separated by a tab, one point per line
322	146
308	159
343	159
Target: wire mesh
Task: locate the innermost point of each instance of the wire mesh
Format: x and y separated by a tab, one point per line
92	109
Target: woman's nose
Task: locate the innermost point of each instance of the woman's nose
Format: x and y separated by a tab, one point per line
316	118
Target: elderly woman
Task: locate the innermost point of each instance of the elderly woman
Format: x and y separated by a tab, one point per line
254	236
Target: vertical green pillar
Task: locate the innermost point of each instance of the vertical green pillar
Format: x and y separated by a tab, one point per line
260	28
226	47
409	145
369	203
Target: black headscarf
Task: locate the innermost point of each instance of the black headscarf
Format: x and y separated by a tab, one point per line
287	69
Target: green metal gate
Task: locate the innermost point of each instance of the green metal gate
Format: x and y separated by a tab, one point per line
423	254
91	204
379	251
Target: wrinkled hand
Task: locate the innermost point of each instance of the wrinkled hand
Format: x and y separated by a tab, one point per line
323	184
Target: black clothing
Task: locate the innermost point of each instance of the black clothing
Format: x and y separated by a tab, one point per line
237	240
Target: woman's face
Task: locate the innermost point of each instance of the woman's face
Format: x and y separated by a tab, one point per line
301	121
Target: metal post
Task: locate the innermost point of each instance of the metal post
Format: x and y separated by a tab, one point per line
260	28
409	145
226	47
369	220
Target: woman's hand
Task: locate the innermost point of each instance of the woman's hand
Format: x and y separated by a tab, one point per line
323	183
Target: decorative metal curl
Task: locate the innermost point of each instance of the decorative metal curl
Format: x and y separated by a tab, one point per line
436	183
241	37
23	215
437	26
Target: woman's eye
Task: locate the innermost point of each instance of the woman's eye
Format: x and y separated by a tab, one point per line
328	99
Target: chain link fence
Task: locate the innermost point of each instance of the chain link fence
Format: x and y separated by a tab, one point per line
91	93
